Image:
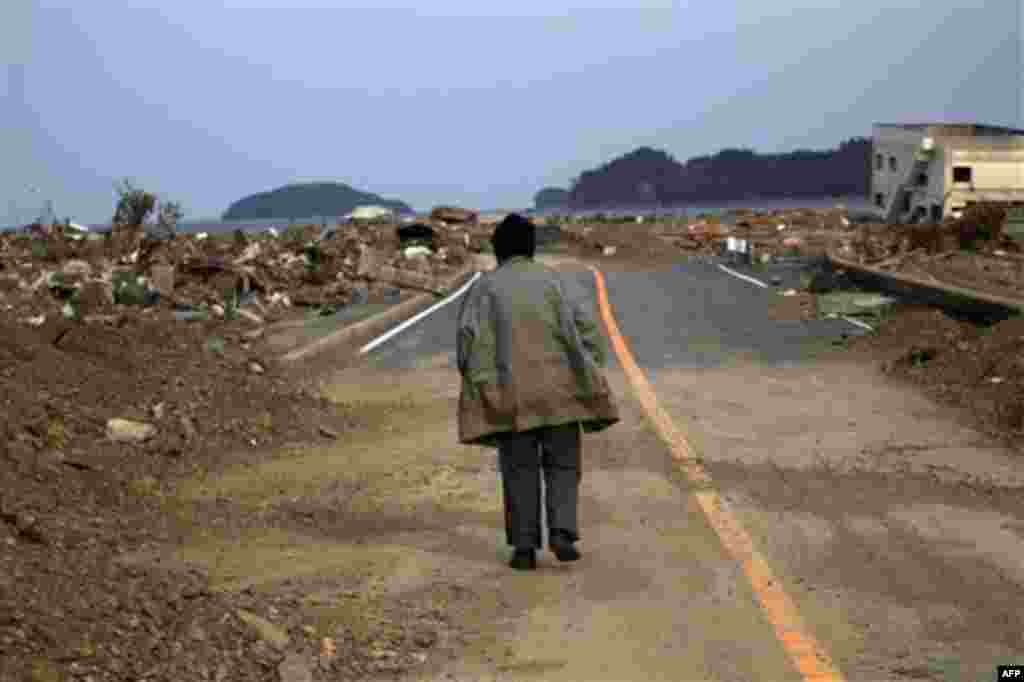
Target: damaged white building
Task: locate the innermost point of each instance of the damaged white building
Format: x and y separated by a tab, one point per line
928	172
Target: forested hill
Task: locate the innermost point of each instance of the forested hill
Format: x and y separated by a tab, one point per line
651	176
318	199
551	197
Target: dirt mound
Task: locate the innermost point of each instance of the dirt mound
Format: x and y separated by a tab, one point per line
980	369
72	500
97	620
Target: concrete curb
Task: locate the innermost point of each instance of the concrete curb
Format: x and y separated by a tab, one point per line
959	299
372	326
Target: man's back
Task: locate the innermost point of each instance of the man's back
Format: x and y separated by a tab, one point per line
530	352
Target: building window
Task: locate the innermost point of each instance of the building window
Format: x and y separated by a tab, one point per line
879	199
906	202
922	180
893	165
936	213
879	162
962	174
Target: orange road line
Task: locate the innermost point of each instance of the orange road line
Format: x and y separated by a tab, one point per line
806	653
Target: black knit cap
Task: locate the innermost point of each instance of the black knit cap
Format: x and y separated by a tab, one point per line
514	236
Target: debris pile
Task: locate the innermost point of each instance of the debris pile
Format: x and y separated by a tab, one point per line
971	252
100	421
791	233
767	235
53	272
454	216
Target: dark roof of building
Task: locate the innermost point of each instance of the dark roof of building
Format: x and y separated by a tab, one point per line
969	129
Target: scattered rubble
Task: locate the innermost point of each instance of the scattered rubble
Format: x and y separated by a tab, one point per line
950	253
972	252
454	216
804	232
48	273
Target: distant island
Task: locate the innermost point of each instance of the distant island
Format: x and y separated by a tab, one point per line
307	200
551	197
649	176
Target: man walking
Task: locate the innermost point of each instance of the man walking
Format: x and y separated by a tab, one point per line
531	360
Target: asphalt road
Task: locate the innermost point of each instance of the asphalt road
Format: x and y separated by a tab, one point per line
692	315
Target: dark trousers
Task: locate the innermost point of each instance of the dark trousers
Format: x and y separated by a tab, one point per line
556	450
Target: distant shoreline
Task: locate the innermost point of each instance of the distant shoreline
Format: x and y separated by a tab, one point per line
855	203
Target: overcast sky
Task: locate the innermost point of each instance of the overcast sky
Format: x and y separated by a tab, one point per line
449	101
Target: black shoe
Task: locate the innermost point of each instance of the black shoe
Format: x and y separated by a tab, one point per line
563	548
524	560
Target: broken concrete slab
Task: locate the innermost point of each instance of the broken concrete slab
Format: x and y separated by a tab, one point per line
77	268
416	252
251	316
128	431
188	428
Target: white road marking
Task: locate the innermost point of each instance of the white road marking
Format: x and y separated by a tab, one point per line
413	320
743	277
858	323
